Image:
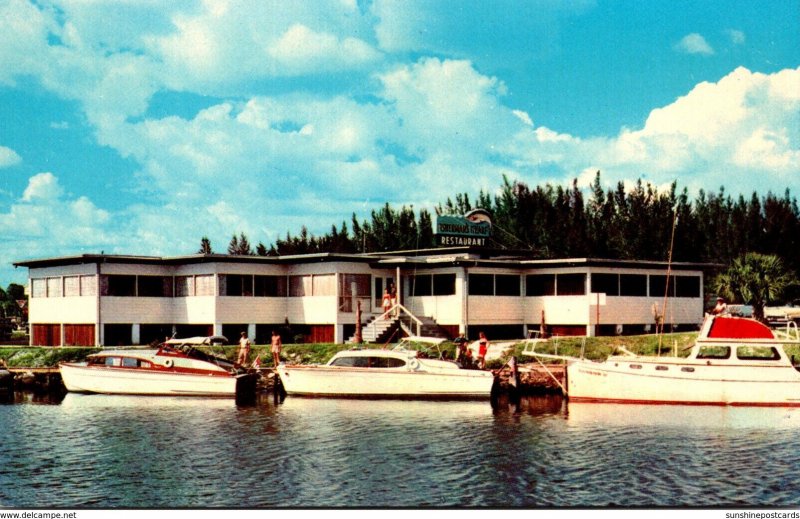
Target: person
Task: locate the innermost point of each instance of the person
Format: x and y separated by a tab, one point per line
393	296
387	303
483	347
721	307
276	348
244	349
461	348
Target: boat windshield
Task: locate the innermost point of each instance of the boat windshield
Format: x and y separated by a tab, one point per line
368	362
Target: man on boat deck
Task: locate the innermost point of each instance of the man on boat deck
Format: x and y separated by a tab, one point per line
721	307
244	349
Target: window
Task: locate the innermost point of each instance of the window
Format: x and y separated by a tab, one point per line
154	286
481	284
124	286
299	286
88	285
605	284
314	285
235	285
53	287
506	285
687	286
633	285
269	286
385	362
540	285
658	286
422	285
204	285
757	353
570	284
325	285
38	288
351	362
444	284
184	286
72	286
714	352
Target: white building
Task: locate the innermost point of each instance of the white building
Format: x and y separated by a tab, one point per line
115	299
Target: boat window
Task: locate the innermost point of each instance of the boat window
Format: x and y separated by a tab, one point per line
113	361
385	362
757	353
687	369
351	362
128	362
636	366
714	352
661	368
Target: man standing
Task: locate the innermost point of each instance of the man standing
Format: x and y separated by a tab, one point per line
276	348
244	350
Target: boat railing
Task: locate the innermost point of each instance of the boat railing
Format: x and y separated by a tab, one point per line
791	333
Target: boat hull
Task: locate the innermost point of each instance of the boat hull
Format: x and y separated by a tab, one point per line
671	382
83	379
371	383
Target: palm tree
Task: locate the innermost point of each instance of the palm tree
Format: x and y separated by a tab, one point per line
755	279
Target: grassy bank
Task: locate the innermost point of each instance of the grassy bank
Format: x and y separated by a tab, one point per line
593	347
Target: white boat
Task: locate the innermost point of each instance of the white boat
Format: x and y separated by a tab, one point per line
383	373
735	361
176	368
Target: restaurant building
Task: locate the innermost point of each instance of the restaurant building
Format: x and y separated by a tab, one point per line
109	300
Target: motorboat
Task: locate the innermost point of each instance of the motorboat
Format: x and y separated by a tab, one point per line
400	372
734	361
178	367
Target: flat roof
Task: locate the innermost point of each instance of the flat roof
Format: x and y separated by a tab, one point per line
431	258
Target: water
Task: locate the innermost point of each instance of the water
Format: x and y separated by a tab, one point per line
90	451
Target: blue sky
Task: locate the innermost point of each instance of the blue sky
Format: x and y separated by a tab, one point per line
138	127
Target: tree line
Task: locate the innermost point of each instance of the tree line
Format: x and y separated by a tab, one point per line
554	221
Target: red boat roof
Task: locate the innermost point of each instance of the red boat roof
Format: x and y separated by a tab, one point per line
738	328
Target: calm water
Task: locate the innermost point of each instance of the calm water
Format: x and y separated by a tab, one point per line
111	451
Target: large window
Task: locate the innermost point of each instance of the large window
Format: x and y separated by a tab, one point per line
605	284
659	287
270	286
433	285
687	286
235	285
540	285
481	284
570	284
313	285
154	286
633	285
115	285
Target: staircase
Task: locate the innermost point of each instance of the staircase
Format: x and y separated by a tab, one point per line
390	329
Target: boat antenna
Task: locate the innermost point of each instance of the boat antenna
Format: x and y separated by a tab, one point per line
669	273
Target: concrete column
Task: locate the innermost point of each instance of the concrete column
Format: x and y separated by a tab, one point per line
338	334
218	330
251	332
136	333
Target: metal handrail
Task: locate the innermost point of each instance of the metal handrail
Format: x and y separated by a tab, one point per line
392	310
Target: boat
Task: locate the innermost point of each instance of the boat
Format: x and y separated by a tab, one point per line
735	361
400	372
178	367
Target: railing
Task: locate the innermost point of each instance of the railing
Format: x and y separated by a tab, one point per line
396	312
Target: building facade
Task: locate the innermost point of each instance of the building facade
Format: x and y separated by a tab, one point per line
114	300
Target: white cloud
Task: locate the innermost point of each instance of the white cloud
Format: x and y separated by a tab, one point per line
301	51
694	44
8	157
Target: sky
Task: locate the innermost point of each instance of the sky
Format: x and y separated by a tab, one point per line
140	126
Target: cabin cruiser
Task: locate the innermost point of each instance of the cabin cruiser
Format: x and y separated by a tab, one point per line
178	367
734	361
401	372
